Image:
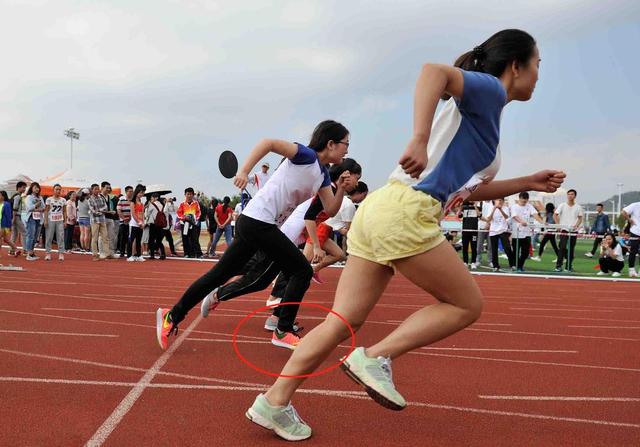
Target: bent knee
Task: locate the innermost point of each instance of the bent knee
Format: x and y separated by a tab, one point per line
473	309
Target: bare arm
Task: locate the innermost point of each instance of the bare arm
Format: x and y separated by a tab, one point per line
330	202
281	147
547	181
434	81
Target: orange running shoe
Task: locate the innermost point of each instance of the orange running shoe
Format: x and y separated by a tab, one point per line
164	327
287	340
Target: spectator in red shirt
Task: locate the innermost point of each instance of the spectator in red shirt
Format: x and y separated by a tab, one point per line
223	217
189	214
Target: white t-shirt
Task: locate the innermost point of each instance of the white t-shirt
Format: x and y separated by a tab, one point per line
525	213
499	224
569	215
617	253
487	206
56	207
633	211
294	226
344	216
259	179
292	183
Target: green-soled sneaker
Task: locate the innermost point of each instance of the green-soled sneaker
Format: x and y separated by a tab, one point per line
284	421
376	377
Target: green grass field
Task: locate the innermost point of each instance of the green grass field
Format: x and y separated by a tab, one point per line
582	266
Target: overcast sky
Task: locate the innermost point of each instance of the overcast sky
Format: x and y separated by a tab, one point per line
158	89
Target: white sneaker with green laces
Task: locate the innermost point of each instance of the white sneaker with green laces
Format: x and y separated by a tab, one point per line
376	377
284	421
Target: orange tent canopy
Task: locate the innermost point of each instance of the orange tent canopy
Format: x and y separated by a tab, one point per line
46	185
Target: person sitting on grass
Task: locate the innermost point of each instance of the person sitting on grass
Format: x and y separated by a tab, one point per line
611	257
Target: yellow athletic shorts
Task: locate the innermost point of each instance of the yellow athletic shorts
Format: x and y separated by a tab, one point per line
395	222
5	232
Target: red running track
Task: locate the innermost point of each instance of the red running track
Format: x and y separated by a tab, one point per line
551	362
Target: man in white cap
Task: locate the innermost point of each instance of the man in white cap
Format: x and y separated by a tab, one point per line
259	179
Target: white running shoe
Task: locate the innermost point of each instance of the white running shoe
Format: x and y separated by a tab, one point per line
589	254
601	273
632	272
271	323
131	259
32	258
474	266
616	274
209	303
60	257
536	258
47	257
140	259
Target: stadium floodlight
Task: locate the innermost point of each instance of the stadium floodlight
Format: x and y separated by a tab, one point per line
72	134
620	185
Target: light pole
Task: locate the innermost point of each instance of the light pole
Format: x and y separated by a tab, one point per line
620	185
72	134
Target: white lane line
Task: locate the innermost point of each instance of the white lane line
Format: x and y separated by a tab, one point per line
607	327
75	334
128	368
120	323
360	396
99	310
551	334
178	386
559	317
130	399
564	398
474	324
80	297
558	309
552	351
529	362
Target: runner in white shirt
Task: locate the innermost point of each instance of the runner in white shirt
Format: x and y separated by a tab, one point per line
632	214
523	215
55	214
569	215
498	219
299	177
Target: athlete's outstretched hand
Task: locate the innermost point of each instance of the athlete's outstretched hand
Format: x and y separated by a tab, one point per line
241	179
414	159
547	180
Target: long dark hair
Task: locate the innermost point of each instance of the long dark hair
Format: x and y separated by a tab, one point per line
326	131
4	195
549	208
225	204
30	190
496	53
348	164
139	188
614	242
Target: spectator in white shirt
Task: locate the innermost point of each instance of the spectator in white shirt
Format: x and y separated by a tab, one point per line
498	219
259	179
522	216
611	257
632	214
483	232
569	215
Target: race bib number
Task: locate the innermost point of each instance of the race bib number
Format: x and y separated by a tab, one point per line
37	215
56	215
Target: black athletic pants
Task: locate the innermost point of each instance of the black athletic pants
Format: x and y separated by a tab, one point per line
634	244
252	236
135	236
469	238
548	237
155	241
610	264
520	249
166	233
562	251
123	238
504	237
596	242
